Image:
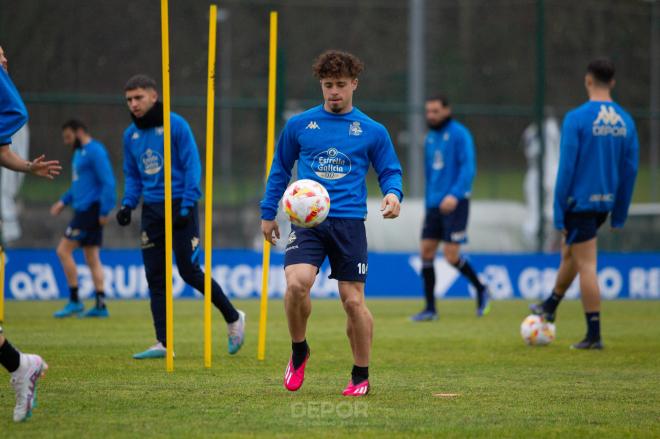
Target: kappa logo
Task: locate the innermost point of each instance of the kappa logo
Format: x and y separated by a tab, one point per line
312	126
292	237
355	129
160	131
445	137
195	243
135	136
609	123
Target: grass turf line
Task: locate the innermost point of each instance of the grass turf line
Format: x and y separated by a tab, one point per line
505	389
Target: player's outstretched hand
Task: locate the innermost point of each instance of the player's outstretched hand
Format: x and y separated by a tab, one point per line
271	231
42	168
57	208
391	206
448	204
124	216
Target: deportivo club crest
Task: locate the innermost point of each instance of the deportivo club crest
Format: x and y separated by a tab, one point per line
354	129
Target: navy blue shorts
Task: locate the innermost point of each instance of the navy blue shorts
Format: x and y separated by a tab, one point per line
85	227
343	241
582	226
447	228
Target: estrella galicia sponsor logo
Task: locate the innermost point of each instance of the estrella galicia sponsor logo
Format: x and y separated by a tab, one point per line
152	162
609	123
331	164
355	129
438	160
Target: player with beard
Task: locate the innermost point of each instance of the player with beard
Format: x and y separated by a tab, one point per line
92	196
450	169
145	179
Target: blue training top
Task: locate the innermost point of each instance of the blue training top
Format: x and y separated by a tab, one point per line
334	150
143	164
450	163
13	114
598	161
92	179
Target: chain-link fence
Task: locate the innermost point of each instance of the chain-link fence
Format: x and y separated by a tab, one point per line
71	59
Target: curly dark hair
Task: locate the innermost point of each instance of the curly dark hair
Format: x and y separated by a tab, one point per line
337	64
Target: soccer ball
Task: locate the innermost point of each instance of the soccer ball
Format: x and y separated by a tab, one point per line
536	331
306	202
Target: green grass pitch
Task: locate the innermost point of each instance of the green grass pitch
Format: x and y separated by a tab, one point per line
501	387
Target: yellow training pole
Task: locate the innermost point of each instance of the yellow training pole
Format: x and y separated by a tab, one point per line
208	209
270	149
167	147
2	284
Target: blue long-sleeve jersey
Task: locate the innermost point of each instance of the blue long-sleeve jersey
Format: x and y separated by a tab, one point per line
336	151
92	179
450	163
598	160
143	164
13	114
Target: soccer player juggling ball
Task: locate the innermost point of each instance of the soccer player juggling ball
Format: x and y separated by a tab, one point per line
450	169
334	144
598	160
92	196
145	178
25	369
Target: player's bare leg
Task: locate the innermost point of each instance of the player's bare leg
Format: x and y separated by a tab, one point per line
428	250
298	307
585	255
297	301
565	276
93	260
360	332
567	270
64	252
452	253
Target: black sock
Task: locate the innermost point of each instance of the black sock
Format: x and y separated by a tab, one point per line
428	274
359	374
10	358
100	299
551	303
300	351
466	270
593	325
73	294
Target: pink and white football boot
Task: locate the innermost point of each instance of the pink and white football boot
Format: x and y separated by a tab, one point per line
356	389
293	378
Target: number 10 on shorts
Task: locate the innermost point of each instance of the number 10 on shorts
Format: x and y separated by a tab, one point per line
362	268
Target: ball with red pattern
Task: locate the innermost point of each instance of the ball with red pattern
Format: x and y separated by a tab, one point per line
306	202
536	331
